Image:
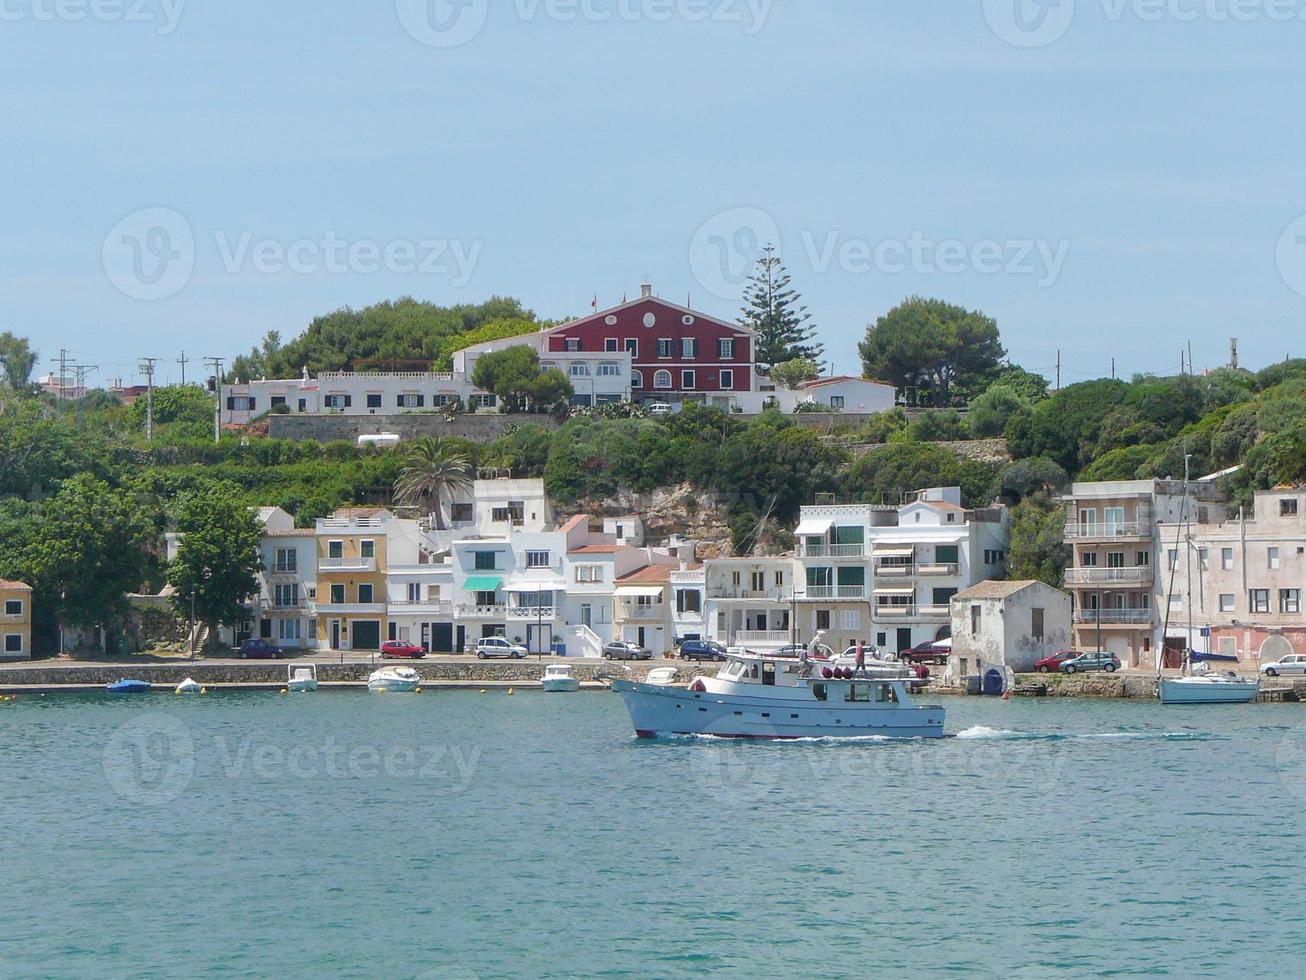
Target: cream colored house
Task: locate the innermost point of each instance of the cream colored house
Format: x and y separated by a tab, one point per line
15	621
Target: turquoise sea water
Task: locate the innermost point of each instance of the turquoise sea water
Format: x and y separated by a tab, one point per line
465	835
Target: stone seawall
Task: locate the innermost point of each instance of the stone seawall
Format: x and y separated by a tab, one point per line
267	673
1092	685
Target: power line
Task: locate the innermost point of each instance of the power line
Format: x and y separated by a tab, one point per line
147	367
183	361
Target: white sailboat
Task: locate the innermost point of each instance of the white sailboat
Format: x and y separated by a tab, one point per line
1198	684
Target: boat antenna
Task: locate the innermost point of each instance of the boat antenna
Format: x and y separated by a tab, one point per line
1174	572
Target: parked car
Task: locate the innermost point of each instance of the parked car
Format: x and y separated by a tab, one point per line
926	653
1293	663
702	650
261	650
1053	663
1092	661
660	410
398	650
626	651
498	647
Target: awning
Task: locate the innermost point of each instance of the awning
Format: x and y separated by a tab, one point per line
483	583
532	588
638	591
814	526
895	591
894	552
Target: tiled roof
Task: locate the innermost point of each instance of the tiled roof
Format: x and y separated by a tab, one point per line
648	575
596	549
995	590
575	522
295	532
15	586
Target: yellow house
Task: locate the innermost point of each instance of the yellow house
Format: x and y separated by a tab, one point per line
15	621
350	604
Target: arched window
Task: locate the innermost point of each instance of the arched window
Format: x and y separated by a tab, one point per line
662	379
637	379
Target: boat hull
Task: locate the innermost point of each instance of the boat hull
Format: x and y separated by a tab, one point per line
560	685
680	711
301	686
1180	691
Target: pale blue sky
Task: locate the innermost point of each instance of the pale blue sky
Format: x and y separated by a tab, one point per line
1153	166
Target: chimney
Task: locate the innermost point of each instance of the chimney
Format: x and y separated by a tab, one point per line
646	290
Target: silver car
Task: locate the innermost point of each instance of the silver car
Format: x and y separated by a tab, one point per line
626	651
1294	663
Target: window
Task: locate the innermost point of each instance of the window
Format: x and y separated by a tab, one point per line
736	579
1260	600
664	347
289	629
836	401
1142	559
373	401
338	594
579	369
758	581
365	593
779	579
1088	559
1204	557
589	573
1173	559
462	513
1226	558
637	379
1272	557
1226	602
537	559
1177	603
822	619
1115	559
1288	507
411	401
287	560
688	348
303	404
483	561
487	599
335	549
572	345
1036	623
975	613
13	607
632	347
286	596
337	401
858	692
725	349
367	549
947	554
609	369
484	401
1290	600
689	600
727	380
13	643
611	345
850	620
662	379
278	400
688	380
1114	517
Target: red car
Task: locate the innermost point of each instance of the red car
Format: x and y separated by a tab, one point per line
398	650
1052	664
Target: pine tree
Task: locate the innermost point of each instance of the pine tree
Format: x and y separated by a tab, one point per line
775	311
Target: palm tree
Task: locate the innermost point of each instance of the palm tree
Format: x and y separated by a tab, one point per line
432	466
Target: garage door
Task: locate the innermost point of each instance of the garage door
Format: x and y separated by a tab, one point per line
367	635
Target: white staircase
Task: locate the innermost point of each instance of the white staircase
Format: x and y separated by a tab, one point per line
585	641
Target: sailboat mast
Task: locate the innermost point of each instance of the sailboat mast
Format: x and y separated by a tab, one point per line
1188	563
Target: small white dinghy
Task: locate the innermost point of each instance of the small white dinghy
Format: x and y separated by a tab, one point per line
189	686
301	677
662	676
399	680
558	679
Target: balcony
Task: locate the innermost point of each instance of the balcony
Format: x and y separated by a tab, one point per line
1116	531
763	637
1114	617
933	612
819	592
466	611
895	612
937	570
420	607
347	608
820	549
895	571
642	613
1140	575
761	595
532	613
346	565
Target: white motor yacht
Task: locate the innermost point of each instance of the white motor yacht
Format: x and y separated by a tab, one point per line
770	697
399	680
301	677
558	679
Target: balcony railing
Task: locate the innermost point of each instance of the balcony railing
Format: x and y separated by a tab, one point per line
347	608
895	612
431	607
483	612
770	637
347	565
643	612
938	570
895	571
532	612
933	612
1141	617
761	595
1107	532
820	549
834	592
1141	575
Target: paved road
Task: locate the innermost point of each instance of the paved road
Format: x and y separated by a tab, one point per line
320	657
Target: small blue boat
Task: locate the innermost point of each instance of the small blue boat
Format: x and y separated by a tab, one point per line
129	687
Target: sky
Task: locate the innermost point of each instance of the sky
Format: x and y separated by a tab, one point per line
1106	178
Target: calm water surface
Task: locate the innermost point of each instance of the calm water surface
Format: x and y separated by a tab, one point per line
465	835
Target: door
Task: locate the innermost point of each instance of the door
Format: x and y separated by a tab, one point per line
586	614
442	638
461	645
904	638
537	638
367	634
335	634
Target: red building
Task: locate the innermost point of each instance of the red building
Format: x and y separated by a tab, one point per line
677	354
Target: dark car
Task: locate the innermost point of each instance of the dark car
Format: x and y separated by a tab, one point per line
260	650
398	650
1052	664
702	650
927	653
626	651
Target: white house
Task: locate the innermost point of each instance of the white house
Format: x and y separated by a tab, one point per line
999	626
750	601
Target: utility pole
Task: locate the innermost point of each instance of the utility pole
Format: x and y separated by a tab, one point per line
63	371
1233	353
1058	370
183	361
1190	358
1113	369
147	368
82	371
216	364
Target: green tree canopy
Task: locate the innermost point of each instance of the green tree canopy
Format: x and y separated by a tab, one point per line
432	469
927	343
774	310
795	373
991	411
218	558
17	360
514	375
1038	549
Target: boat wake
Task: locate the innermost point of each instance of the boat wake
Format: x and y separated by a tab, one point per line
1006	734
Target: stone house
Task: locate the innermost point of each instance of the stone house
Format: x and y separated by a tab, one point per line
1001	625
